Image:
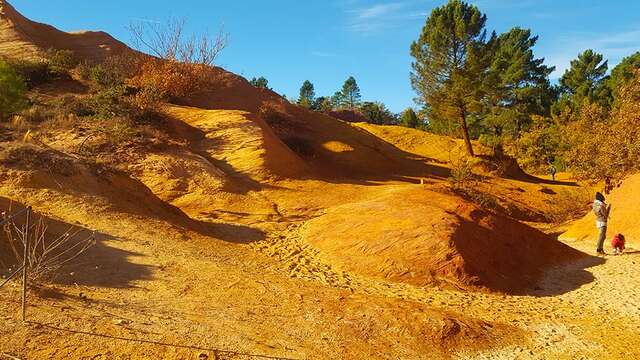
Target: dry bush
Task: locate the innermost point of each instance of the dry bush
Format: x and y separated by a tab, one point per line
482	199
114	71
168	42
34	73
602	145
275	116
181	66
48	253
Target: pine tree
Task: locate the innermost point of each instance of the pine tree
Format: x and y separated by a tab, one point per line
585	79
261	83
450	63
377	113
338	100
517	84
12	91
409	118
350	93
322	103
307	94
623	72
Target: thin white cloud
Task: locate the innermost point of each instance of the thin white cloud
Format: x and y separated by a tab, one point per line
613	46
377	11
144	20
368	20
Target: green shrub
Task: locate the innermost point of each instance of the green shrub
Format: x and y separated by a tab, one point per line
461	173
110	102
12	91
70	104
481	199
33	73
60	62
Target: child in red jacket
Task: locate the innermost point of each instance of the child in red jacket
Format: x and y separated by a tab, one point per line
618	244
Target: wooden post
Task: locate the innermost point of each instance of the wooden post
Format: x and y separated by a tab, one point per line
25	265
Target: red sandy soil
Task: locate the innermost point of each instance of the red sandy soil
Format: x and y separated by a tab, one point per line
298	236
21	37
623	218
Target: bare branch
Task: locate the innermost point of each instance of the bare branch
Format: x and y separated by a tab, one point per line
167	41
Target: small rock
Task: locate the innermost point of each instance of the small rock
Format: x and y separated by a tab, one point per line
121	322
203	356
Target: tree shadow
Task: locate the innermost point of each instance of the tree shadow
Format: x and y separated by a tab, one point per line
361	157
537	180
105	266
100	265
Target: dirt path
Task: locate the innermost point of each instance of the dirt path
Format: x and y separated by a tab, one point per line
585	309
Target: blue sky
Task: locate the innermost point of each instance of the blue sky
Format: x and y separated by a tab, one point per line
290	41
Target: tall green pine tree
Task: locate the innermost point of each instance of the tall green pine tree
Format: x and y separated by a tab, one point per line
307	94
450	63
350	94
586	78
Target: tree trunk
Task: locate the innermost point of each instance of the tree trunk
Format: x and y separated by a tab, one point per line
465	132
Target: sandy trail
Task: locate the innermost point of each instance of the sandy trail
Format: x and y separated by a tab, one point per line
587	309
170	293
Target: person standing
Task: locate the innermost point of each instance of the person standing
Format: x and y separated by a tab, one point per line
553	171
601	210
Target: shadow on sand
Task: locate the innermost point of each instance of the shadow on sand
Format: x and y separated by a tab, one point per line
566	277
103	264
513	258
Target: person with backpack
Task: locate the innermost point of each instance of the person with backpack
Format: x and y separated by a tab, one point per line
618	244
601	210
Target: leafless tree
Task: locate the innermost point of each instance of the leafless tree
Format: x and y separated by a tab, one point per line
168	41
47	253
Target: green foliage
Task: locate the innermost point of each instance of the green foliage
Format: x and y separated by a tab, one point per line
409	119
337	100
34	73
110	102
322	103
307	94
107	75
450	61
517	84
350	94
586	79
377	113
623	72
261	83
494	88
55	65
60	62
12	91
540	146
461	173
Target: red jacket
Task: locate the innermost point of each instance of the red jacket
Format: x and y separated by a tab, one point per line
617	242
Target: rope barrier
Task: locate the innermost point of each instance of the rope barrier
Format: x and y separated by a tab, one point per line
14	215
11	276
